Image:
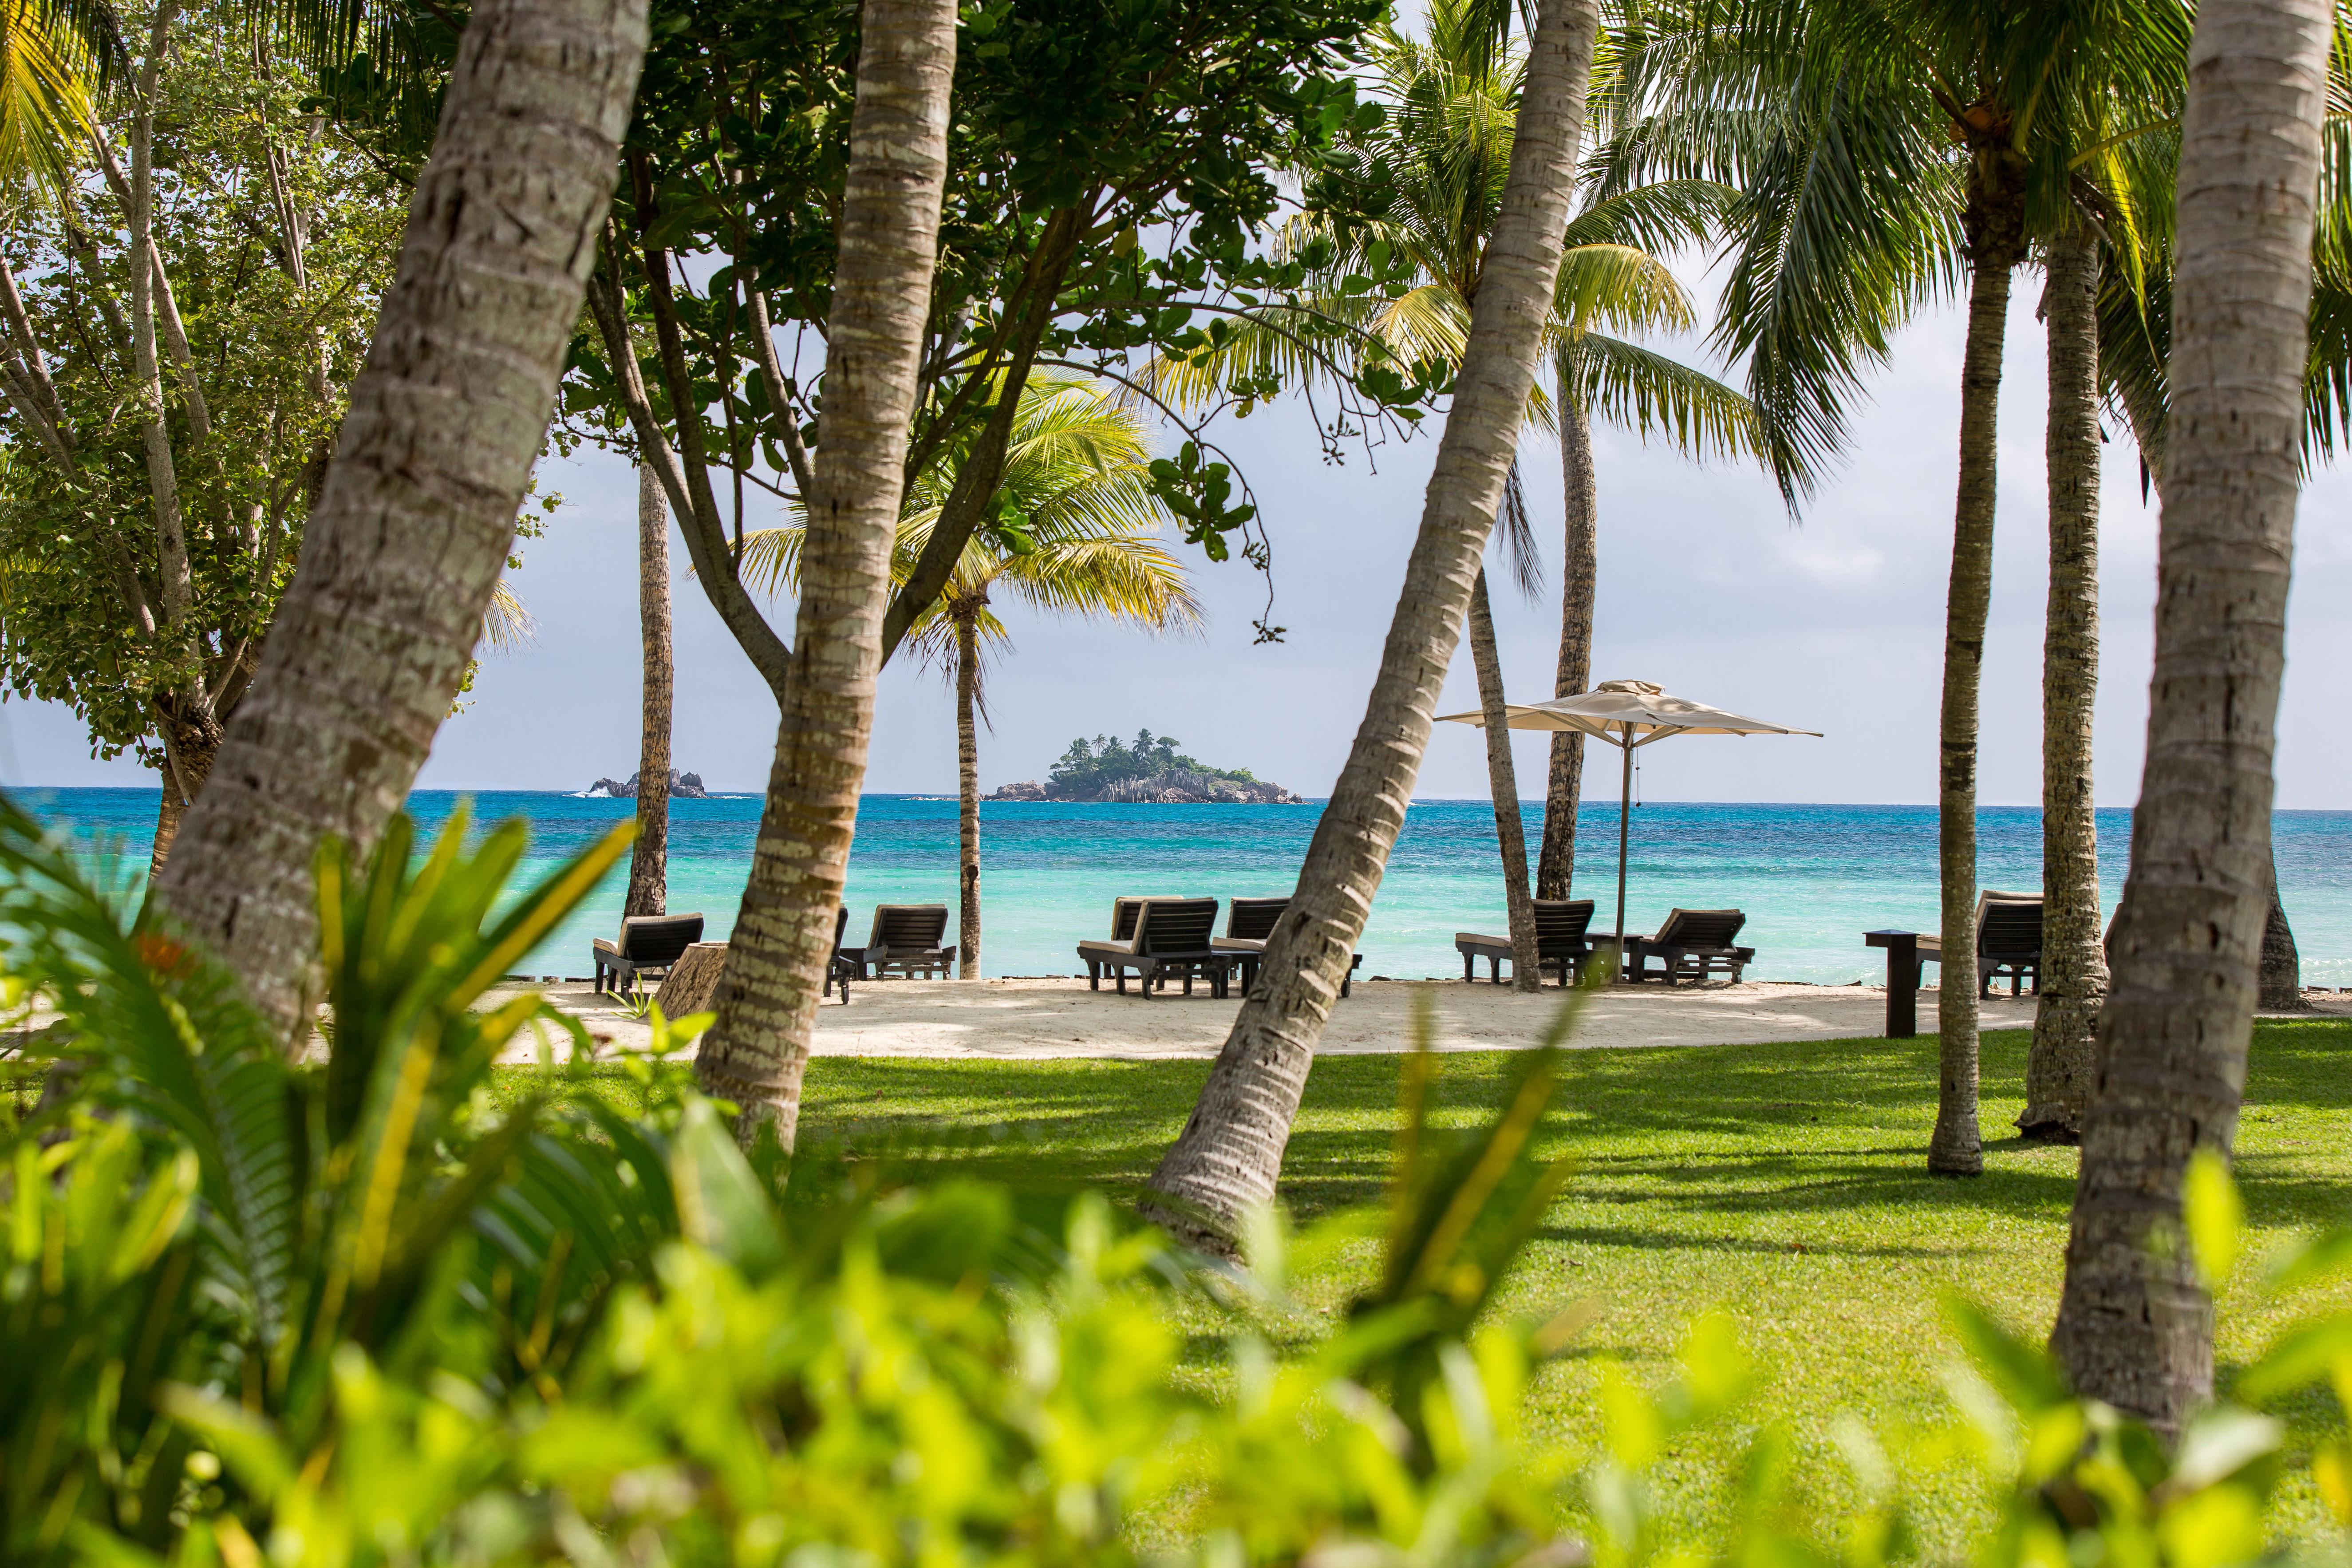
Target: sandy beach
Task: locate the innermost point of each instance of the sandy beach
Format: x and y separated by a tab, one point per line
1060	1018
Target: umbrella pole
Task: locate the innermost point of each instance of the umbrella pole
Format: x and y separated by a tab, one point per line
1624	803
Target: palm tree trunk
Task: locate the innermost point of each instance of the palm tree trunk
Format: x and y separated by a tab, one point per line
1511	827
1579	575
1995	223
2074	976
968	797
777	958
2134	1323
2282	970
649	856
1579	581
169	814
413	525
1226	1160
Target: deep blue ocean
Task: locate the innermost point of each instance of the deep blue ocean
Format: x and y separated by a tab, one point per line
1811	878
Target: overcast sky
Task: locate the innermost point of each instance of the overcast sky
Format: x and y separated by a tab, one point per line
1831	621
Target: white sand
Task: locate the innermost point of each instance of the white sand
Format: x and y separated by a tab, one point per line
1036	1018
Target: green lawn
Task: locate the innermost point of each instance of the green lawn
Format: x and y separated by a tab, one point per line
1784	1183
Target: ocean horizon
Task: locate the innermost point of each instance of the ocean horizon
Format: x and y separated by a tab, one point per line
1812	878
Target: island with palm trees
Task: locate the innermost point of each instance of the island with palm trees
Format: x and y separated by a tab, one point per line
1151	771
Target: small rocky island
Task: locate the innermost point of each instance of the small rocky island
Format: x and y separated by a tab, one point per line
1149	772
682	786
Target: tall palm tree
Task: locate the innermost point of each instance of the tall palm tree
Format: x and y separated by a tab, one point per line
1227	1159
649	856
1075	534
2135	1321
1886	152
406	542
1422	189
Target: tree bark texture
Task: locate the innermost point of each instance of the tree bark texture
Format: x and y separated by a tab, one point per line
968	797
2074	976
2282	973
169	814
1502	782
757	1051
1227	1159
1580	574
413	525
2135	1323
649	856
1994	223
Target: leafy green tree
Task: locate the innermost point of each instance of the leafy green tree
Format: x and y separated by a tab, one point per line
168	424
1075	532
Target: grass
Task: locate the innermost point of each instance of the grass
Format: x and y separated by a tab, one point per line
1784	1183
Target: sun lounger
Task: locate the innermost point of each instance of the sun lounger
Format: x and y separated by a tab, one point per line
1171	936
1249	924
1560	942
649	944
906	939
839	967
2009	941
1692	944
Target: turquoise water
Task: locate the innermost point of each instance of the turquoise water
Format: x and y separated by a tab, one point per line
1811	878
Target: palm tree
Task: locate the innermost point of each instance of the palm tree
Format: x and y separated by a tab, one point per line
1423	188
649	856
1075	535
1229	1155
412	526
756	1052
2135	1321
1885	152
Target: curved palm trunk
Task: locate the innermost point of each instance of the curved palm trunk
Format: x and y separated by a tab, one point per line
2282	970
967	798
413	525
2074	977
1226	1160
757	1050
649	856
2135	1323
1502	781
1995	223
1579	578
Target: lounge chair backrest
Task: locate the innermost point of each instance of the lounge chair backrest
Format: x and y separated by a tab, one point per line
1254	919
1124	910
654	941
918	927
840	926
1561	923
1175	925
1700	928
2009	923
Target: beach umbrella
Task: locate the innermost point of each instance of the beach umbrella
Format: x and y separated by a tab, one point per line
1626	714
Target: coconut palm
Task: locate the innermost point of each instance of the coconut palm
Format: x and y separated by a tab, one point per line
1420	191
1074	533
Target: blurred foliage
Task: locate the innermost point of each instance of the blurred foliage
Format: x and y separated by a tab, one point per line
351	1314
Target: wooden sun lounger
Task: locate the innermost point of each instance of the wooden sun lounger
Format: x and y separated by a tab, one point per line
1692	944
906	939
1560	942
649	944
1249	925
839	967
1171	936
2009	942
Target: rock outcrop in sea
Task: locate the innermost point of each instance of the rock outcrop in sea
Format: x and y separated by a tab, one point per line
682	786
1170	786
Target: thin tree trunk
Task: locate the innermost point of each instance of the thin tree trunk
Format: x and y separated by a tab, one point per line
649	856
2074	976
168	816
1580	575
413	525
1995	221
1502	782
1229	1155
968	797
162	481
2282	972
2135	1323
757	1049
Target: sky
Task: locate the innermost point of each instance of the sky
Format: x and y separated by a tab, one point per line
1829	621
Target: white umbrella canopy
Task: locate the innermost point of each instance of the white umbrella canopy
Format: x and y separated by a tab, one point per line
1627	714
